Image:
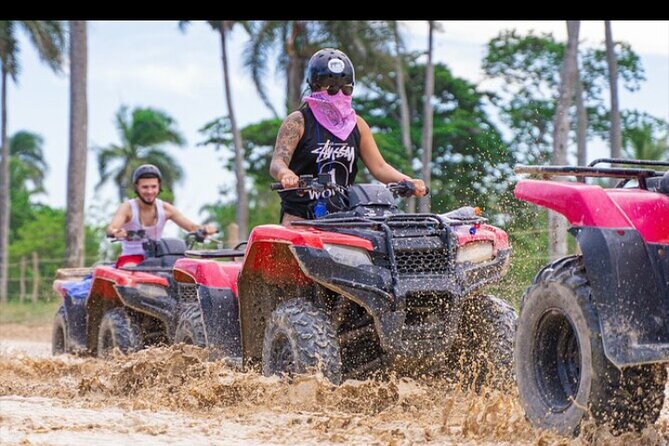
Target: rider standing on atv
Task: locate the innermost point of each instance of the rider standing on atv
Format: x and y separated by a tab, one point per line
325	136
146	212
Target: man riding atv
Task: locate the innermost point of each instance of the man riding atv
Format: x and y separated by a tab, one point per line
146	212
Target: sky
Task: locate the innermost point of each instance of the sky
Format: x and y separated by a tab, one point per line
154	64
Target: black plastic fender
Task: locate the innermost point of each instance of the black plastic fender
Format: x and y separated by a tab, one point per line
630	292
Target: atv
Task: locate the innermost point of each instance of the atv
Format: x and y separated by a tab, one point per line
356	290
128	307
593	330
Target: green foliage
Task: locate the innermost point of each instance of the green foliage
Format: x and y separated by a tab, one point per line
645	137
471	162
27	169
527	70
44	234
143	133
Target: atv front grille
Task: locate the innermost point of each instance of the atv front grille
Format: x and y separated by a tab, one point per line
188	291
435	261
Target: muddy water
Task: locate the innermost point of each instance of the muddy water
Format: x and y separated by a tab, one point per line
173	396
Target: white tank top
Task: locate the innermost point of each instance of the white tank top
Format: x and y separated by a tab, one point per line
154	232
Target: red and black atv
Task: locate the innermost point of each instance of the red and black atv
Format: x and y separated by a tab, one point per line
355	290
129	307
593	330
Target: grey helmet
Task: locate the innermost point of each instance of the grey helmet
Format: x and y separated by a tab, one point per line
147	171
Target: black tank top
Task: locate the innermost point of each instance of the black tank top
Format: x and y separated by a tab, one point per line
319	151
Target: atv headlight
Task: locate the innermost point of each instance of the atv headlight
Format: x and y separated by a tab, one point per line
348	255
155	291
474	252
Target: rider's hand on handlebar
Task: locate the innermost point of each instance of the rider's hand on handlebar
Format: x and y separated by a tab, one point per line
288	179
419	186
209	229
118	234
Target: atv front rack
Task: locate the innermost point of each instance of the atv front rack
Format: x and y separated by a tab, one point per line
430	222
603	172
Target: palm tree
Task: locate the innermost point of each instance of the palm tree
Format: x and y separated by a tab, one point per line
48	36
615	131
405	116
557	225
366	43
424	203
142	133
76	172
27	163
224	27
641	143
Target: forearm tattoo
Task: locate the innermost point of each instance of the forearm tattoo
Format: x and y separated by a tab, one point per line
286	142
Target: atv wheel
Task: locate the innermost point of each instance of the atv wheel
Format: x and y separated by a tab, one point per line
483	350
298	337
118	330
59	333
561	368
190	327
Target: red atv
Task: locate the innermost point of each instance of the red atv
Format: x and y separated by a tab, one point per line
367	287
130	307
593	331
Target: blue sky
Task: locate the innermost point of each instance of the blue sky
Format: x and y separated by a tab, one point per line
154	64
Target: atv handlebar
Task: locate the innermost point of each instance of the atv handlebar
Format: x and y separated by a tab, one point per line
404	188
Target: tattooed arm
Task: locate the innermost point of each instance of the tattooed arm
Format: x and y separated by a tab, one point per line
289	135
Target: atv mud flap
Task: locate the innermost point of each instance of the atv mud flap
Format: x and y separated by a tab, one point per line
221	321
371	287
75	313
162	308
629	281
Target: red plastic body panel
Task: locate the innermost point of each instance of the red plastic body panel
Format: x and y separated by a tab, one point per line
484	232
305	237
126	278
210	272
588	205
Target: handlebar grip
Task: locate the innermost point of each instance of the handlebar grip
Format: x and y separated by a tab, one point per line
427	190
276	186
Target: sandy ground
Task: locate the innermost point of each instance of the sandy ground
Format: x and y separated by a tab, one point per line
173	396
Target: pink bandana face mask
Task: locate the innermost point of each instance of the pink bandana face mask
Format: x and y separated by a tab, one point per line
335	112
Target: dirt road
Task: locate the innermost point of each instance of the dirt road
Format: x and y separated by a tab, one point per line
173	396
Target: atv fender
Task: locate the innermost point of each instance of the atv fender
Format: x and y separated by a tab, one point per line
270	275
631	299
75	315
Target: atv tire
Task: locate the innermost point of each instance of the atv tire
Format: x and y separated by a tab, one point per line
118	330
190	327
59	342
299	337
482	353
561	368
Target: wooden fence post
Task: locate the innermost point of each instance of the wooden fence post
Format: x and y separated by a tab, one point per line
233	235
22	280
35	277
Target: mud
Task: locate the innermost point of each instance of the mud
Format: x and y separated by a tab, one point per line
174	396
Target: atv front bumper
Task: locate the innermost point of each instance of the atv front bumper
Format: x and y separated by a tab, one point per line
393	303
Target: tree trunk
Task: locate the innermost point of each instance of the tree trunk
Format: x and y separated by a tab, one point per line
240	173
557	224
424	204
581	124
615	131
405	119
76	175
5	207
295	70
36	277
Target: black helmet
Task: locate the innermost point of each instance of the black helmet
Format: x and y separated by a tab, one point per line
146	171
330	67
